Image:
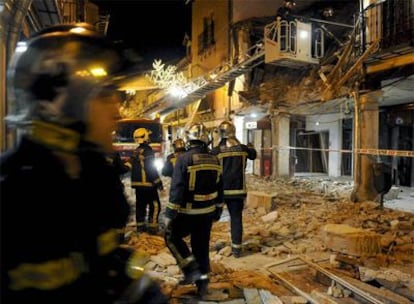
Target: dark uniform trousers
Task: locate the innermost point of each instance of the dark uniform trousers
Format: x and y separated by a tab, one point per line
235	207
147	198
199	227
233	160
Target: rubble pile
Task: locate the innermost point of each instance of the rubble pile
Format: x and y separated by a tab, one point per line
315	219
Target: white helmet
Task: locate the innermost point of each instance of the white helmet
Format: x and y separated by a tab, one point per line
141	135
197	131
62	69
227	129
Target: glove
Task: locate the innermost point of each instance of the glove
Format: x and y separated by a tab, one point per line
167	223
217	214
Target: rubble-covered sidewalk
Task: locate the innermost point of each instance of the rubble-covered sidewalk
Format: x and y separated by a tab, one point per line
304	242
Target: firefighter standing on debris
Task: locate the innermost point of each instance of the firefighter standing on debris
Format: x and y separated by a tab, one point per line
179	148
233	157
66	119
196	200
146	182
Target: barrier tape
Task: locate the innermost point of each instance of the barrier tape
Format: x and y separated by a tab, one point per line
401	153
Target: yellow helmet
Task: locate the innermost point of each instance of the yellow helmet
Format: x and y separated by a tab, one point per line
141	135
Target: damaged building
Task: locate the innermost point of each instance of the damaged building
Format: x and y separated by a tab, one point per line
327	93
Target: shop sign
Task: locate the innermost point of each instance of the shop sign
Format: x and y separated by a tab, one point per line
251	125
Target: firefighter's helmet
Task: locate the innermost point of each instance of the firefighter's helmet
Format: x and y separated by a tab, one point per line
197	131
141	135
57	73
227	130
290	2
179	145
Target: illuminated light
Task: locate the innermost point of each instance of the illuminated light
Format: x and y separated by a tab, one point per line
177	91
83	73
131	92
98	72
317	123
158	163
303	34
253	115
77	30
21	47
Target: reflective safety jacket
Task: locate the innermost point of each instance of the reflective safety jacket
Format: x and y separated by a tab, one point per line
143	170
233	161
169	164
196	184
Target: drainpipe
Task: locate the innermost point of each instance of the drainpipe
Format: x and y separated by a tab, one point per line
230	85
363	33
11	20
356	145
18	12
59	9
3	65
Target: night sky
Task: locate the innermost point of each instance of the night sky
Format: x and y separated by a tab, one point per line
153	29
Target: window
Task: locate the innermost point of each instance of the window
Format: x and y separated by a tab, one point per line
206	39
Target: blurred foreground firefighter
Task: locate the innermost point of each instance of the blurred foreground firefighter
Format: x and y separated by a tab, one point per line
59	235
114	158
146	182
179	148
196	200
233	157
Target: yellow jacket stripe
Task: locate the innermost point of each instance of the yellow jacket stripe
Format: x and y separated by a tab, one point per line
188	209
49	275
192	211
205	197
230	154
195	168
235	192
141	184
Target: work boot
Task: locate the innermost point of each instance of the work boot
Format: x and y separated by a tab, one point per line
236	252
141	228
191	277
153	230
191	273
202	286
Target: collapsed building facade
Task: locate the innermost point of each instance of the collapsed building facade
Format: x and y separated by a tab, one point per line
329	91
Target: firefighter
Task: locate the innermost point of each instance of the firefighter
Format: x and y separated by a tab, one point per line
285	11
65	112
146	182
179	148
233	158
196	200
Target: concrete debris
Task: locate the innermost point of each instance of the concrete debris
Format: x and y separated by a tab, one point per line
285	218
350	240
